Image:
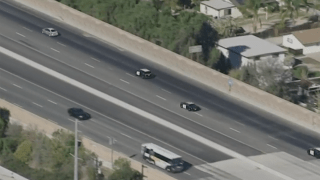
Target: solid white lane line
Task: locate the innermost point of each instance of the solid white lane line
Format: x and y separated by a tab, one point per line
89	65
239	123
130	75
27	29
61	44
198	114
52	101
124	81
37	104
52	121
272	146
140	112
166	91
126	135
79	122
3	89
161	97
187	173
273	138
17	86
71	120
20	34
95	59
55	50
17	105
235	130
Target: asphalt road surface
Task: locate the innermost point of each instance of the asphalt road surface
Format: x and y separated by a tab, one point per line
233	124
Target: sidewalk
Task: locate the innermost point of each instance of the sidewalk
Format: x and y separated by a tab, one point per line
6	174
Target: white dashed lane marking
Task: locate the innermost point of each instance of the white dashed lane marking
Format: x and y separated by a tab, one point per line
52	101
187	173
95	59
124	81
166	91
239	123
198	114
273	138
271	146
20	34
89	65
3	89
61	44
17	105
235	130
27	29
17	86
37	104
161	97
55	50
126	135
130	75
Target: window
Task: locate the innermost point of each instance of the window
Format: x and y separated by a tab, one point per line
289	40
162	157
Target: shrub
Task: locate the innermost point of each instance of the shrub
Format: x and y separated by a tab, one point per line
24	151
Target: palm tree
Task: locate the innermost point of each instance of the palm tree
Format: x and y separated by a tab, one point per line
251	9
290	8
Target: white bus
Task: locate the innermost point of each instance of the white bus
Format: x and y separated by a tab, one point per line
161	157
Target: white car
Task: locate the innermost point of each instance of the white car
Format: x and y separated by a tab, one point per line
144	73
50	32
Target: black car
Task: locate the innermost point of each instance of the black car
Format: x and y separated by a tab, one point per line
315	152
79	114
190	106
144	73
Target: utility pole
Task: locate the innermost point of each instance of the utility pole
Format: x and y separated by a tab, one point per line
142	167
76	150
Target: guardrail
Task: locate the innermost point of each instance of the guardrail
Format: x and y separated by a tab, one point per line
177	63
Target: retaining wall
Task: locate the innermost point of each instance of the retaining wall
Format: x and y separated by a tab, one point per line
175	62
28	119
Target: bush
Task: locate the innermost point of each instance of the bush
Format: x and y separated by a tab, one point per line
123	171
24	151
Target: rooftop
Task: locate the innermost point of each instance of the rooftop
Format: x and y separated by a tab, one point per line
161	150
250	46
308	36
218	4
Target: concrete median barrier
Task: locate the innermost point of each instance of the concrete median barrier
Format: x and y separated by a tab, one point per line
177	63
28	119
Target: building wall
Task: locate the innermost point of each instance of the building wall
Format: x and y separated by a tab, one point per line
235	12
290	41
311	48
210	11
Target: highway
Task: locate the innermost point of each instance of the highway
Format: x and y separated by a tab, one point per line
233	124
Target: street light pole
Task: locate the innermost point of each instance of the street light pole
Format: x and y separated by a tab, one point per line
76	150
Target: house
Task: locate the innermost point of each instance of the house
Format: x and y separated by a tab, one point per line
249	49
224	8
219	8
303	42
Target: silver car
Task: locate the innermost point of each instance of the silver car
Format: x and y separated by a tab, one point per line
50	32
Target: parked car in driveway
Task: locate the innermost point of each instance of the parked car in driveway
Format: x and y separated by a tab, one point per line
50	32
190	106
144	73
79	114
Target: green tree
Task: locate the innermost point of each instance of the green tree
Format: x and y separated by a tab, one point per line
4	121
290	9
251	9
226	27
23	153
123	171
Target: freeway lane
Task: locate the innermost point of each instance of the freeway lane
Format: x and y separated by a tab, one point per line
257	131
53	106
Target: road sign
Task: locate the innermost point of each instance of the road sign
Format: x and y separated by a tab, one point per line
195	49
230	82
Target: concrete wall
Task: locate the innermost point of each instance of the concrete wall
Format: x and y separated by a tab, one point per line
292	42
312	48
235	12
177	63
210	11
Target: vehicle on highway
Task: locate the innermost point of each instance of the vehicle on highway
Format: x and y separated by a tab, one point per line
50	32
79	114
315	152
144	73
190	106
161	157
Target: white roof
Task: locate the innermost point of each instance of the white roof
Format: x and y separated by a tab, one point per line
51	28
145	70
250	46
218	4
161	151
317	149
190	102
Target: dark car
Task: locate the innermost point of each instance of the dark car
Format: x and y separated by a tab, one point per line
79	114
315	152
144	73
190	106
